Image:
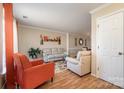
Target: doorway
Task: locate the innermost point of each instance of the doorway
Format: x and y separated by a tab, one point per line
110	47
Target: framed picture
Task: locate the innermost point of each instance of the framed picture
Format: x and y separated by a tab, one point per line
75	41
81	41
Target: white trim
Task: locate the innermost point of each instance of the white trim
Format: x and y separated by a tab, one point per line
93	74
97	64
110	14
99	8
39	28
67	43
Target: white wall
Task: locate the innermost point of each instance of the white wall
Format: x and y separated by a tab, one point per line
73	49
30	37
72	37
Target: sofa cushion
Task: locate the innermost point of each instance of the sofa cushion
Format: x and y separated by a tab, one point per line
53	54
50	56
59	55
54	51
47	51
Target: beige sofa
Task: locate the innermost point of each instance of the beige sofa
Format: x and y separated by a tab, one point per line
53	54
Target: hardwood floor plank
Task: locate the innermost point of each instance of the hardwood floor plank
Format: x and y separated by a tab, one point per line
69	80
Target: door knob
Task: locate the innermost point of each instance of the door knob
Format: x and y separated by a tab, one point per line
120	53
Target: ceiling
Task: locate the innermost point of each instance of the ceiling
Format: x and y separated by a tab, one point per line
60	17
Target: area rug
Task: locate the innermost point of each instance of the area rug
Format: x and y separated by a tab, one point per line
60	66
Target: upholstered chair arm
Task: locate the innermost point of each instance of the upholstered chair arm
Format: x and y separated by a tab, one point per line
82	60
85	59
37	62
72	60
38	74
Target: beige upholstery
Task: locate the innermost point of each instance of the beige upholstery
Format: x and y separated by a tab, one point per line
80	65
82	53
47	51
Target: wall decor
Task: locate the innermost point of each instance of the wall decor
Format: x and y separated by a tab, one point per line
85	42
48	39
81	41
75	41
41	39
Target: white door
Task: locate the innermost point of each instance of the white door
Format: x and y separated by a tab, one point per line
110	49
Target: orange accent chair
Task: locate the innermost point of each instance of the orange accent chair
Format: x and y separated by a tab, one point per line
30	75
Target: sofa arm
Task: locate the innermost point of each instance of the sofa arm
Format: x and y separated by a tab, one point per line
37	62
36	75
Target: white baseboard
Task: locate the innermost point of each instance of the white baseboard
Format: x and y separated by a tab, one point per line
93	74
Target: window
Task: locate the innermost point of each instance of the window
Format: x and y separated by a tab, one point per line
4	52
2	42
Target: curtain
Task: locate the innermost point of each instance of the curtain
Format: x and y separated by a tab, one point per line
2	40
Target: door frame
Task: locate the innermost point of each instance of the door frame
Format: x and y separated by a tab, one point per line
97	32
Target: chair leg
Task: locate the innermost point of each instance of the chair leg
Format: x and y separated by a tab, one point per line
17	86
52	79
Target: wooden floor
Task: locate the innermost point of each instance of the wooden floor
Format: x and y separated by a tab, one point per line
69	80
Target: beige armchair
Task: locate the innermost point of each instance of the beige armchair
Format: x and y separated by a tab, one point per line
81	64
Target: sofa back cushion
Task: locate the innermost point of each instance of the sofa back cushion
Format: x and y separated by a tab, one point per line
79	55
54	51
83	53
47	51
22	61
25	62
60	50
